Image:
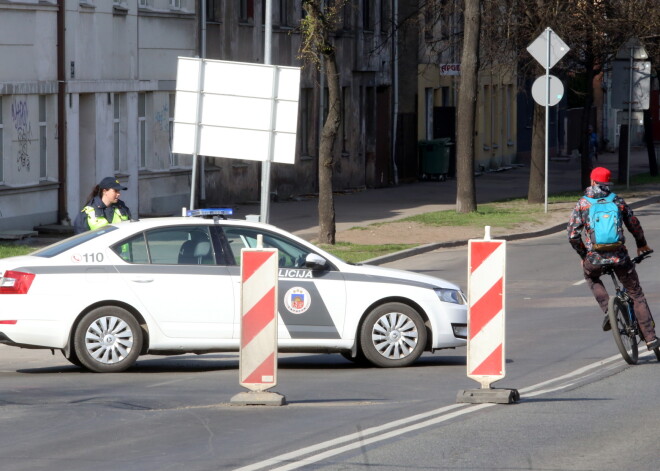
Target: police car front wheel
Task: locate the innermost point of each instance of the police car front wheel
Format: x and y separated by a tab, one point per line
107	340
393	335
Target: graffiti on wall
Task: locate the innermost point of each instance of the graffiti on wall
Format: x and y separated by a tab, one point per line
162	119
19	114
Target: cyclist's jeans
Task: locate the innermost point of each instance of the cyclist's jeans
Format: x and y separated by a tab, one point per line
628	277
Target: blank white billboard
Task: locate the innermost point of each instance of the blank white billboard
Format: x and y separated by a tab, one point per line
236	110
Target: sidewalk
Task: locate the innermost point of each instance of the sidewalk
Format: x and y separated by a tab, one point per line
362	208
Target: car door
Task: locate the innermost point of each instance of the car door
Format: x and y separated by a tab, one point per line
311	304
174	272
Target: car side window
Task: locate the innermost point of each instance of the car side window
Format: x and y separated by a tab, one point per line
176	245
291	255
133	250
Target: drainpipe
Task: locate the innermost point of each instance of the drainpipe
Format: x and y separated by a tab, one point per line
202	54
62	213
395	83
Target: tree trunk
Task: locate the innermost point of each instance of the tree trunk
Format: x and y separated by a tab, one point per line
466	199
536	190
327	227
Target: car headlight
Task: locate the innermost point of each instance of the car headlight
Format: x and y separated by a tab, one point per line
453	296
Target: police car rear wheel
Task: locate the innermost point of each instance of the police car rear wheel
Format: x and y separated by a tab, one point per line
393	335
107	340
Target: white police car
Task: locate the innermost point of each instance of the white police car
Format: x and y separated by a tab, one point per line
167	286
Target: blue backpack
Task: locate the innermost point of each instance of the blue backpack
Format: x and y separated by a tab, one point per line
605	223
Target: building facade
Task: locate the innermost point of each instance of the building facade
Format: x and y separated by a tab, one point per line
439	73
87	90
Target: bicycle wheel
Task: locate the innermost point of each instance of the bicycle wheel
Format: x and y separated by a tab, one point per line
624	334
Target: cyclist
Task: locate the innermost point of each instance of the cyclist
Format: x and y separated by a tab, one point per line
593	261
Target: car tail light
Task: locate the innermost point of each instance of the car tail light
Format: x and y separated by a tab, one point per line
16	282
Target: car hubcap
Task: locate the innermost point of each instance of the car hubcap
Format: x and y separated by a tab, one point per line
109	339
394	335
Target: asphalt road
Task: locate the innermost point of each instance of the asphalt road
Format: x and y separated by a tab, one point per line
581	406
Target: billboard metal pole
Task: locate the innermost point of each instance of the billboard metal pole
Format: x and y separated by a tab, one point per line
265	165
198	120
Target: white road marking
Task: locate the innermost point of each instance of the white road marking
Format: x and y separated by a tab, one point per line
380	433
581	282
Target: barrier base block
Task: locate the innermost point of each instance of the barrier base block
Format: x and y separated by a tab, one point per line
480	396
258	398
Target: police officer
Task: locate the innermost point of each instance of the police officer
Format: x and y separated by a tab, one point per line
103	207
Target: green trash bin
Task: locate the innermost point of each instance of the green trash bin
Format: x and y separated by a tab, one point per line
434	158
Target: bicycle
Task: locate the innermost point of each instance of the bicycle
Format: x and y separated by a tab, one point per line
625	328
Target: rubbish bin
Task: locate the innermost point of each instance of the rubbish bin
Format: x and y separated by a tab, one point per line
434	158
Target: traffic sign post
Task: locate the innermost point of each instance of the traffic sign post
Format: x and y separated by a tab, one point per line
548	49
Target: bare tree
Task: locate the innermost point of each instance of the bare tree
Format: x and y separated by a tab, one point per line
593	29
316	49
466	200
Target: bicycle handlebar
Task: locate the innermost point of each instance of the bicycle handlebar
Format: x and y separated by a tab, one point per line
639	258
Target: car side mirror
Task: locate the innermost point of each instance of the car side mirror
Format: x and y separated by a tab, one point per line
315	262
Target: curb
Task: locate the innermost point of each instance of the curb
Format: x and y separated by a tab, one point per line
393	257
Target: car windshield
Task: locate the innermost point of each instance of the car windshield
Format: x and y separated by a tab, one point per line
66	244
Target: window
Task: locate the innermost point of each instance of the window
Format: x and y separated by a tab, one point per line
71	242
174	158
367	15
142	124
345	125
384	16
284	13
2	155
43	139
429	21
175	4
485	118
509	106
305	119
141	3
213	11
116	131
179	245
291	255
247	11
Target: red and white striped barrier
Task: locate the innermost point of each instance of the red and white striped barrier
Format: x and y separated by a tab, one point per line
486	276
258	355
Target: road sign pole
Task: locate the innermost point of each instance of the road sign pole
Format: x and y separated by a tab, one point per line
547	54
548	33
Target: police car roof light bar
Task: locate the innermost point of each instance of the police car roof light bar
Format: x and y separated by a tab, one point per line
210	212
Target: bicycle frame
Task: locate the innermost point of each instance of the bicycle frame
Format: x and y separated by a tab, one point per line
622	294
623	321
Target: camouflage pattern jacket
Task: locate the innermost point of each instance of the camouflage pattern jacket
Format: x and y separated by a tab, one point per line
579	234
